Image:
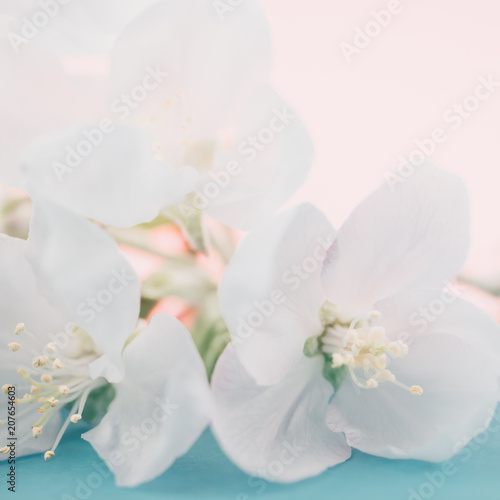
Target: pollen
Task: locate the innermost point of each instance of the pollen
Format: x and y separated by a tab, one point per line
19	329
41	361
57	364
360	348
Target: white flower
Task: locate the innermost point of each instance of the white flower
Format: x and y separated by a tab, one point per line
68	27
70	301
185	98
412	368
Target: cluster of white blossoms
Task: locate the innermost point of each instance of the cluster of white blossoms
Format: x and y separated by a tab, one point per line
130	118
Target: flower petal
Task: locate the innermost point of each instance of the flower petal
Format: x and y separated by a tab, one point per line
268	160
449	358
161	407
79	268
219	62
39	96
278	432
413	234
21	303
69	27
270	294
104	171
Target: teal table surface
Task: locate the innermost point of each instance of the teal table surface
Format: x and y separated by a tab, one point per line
206	474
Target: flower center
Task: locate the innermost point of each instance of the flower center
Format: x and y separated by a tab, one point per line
356	348
55	378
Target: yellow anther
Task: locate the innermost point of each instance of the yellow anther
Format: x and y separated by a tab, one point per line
416	390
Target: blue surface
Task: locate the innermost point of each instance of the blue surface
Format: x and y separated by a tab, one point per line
205	473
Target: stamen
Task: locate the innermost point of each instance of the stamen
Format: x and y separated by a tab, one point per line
46	378
41	361
57	364
4	450
51	452
416	390
14	346
5	388
19	329
361	348
36	431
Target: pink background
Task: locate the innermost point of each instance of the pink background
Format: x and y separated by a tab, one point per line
364	114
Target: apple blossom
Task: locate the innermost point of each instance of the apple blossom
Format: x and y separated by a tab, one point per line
70	334
365	349
184	106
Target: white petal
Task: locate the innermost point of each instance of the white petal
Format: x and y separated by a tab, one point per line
21	303
449	358
79	268
104	171
72	28
214	62
278	432
270	294
39	96
251	180
414	235
161	407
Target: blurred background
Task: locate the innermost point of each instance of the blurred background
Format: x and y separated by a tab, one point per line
367	106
